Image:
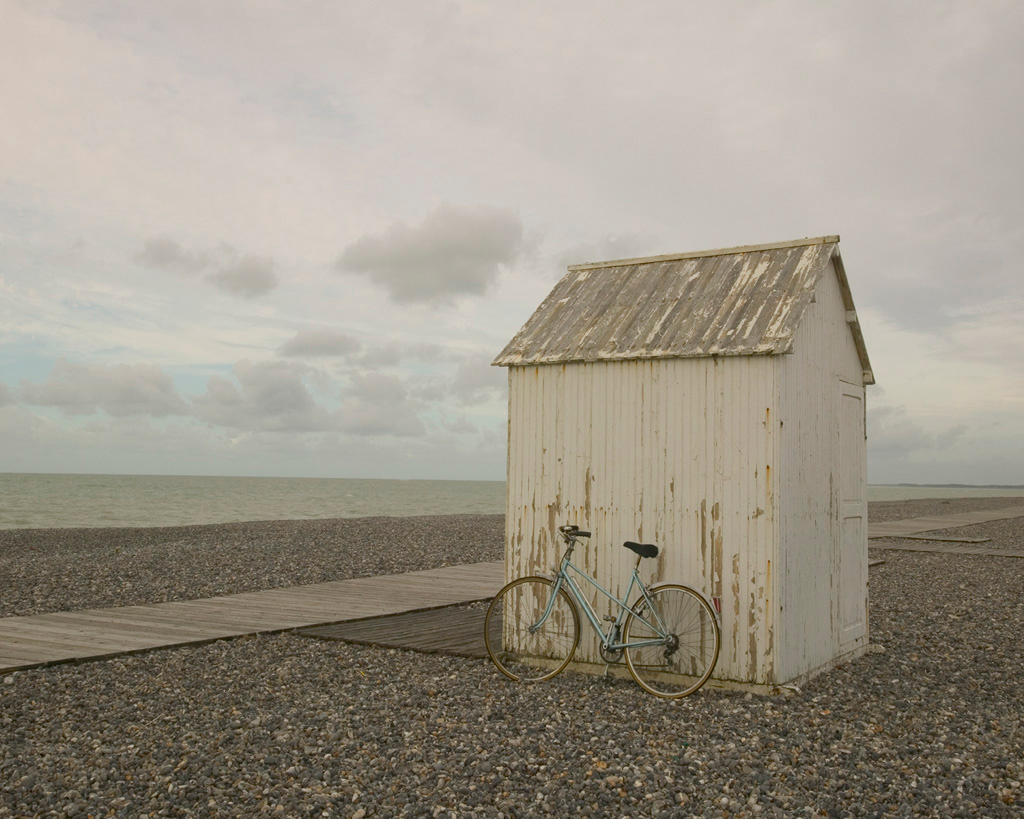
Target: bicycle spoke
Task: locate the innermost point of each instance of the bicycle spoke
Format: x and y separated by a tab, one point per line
684	637
526	646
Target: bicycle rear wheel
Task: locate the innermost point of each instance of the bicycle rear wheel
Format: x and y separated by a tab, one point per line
518	652
685	638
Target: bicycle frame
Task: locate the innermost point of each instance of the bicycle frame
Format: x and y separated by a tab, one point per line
563	579
668	634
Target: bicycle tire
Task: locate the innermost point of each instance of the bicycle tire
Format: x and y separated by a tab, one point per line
682	667
519	654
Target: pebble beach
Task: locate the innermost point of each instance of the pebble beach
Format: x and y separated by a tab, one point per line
928	723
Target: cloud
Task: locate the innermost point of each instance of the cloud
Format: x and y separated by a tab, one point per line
249	276
378	404
620	246
384	355
165	253
476	381
392	353
431	389
377	387
893	435
6	395
455	251
240	275
119	390
460	426
268	397
319	341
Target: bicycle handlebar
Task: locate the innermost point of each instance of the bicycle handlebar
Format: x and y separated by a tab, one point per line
570	530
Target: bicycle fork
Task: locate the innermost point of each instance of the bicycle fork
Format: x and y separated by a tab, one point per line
556	587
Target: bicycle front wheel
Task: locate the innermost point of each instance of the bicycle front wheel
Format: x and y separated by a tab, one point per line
521	642
675	640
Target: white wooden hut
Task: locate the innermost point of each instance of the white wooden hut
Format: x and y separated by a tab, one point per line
712	403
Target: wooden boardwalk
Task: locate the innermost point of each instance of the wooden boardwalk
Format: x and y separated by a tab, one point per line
90	634
948	548
914	526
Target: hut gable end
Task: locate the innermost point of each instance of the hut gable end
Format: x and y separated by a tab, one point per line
739	301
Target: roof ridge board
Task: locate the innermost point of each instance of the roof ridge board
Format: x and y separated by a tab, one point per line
701	254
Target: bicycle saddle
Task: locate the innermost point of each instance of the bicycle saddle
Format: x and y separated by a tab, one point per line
642	549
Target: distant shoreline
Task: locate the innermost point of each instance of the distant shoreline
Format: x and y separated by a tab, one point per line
902	484
34	501
1017	486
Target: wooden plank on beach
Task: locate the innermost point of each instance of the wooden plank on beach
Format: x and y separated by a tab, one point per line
913	526
27	628
96	633
161	627
13	660
948	539
948	549
24	653
456	630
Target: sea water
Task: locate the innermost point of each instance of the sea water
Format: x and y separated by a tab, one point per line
49	501
918	492
45	501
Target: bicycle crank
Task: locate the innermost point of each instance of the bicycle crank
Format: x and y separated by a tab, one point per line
612	655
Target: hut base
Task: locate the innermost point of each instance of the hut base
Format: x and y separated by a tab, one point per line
620	671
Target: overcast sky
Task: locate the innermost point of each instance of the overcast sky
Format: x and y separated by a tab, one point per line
287	238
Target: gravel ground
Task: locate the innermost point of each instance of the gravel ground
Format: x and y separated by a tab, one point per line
927	724
1004	535
62	569
882	511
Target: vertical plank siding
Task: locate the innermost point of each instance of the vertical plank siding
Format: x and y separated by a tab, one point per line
746	468
813	471
673	451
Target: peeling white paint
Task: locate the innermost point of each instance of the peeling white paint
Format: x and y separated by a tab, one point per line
734	302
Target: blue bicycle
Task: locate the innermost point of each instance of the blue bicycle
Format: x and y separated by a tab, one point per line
670	635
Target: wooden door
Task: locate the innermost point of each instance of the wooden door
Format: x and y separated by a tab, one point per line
853	519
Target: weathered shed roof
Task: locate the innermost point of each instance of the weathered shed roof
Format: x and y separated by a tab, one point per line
737	301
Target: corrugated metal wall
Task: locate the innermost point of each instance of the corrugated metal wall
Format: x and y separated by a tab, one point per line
813	472
679	452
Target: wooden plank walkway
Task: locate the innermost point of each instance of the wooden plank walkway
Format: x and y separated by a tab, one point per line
950	539
948	549
911	529
914	526
91	634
